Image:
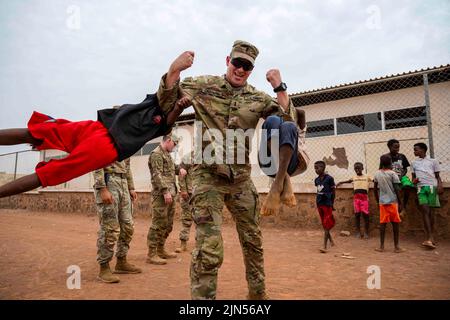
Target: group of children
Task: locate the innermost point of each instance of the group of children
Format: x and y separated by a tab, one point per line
388	181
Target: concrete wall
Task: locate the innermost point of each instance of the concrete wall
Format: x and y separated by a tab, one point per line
303	216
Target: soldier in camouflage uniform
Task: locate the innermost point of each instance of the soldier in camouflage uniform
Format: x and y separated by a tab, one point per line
114	192
164	192
221	103
185	183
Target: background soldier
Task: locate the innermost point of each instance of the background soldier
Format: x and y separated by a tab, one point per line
222	103
114	190
163	171
185	183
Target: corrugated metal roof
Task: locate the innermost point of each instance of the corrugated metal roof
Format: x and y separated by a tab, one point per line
387	77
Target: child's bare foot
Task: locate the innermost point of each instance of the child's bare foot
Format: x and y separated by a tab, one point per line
287	196
272	203
323	250
399	250
332	243
379	249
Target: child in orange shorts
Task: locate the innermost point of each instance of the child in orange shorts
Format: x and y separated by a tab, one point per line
386	189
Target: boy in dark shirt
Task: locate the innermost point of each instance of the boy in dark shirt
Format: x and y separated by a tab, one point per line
400	166
117	135
325	201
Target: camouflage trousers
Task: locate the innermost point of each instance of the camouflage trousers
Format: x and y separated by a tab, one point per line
116	221
162	221
186	219
210	195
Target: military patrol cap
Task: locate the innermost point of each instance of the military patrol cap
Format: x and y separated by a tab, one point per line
245	50
174	138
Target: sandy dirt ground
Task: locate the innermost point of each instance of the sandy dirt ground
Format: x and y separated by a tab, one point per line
36	249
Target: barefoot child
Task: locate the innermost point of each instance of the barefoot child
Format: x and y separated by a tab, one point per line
325	201
117	135
386	190
360	199
425	172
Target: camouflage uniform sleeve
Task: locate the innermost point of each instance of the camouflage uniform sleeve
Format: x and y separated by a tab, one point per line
129	175
177	169
273	108
183	183
99	179
167	97
156	165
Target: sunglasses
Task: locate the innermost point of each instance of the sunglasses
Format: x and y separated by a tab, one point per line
242	63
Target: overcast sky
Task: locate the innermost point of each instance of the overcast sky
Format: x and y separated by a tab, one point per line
70	58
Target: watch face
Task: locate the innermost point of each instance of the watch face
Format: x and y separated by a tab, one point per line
281	87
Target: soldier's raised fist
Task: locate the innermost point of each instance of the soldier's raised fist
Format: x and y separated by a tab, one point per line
183	61
274	77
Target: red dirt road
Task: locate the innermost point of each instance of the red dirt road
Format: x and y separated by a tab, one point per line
36	249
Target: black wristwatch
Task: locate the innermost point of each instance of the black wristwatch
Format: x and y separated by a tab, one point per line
281	87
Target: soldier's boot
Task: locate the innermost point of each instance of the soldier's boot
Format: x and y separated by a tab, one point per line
106	275
122	266
153	258
162	253
257	296
182	247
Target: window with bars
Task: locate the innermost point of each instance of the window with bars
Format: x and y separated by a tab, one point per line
320	128
360	123
403	118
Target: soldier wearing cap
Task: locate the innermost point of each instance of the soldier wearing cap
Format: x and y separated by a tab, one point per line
114	192
222	103
186	188
164	192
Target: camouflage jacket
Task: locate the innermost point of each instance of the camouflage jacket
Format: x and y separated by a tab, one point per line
220	106
163	171
186	181
118	167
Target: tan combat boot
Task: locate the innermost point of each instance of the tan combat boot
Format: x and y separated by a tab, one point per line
183	247
153	258
122	266
106	275
162	253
